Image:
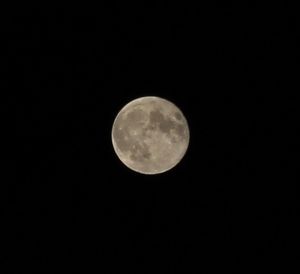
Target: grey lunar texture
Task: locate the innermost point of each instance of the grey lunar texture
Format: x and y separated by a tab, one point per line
150	135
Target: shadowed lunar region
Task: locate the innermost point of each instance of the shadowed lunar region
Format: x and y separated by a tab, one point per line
150	135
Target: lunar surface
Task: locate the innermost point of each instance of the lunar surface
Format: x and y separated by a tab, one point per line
150	135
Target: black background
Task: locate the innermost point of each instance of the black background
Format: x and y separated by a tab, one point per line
70	204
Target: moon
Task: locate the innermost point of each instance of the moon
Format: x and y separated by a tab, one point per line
150	135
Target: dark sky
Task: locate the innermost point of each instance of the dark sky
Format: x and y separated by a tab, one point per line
230	205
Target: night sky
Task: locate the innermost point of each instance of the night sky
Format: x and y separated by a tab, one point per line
71	205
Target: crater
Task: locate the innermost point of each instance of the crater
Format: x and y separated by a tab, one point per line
122	139
140	152
180	130
178	116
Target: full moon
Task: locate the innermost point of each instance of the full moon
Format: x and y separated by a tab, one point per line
150	135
